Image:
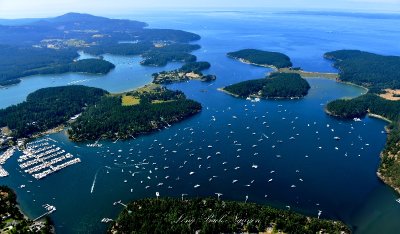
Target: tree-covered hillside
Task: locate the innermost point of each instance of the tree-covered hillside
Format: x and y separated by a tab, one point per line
262	58
277	85
155	108
168	215
47	108
373	71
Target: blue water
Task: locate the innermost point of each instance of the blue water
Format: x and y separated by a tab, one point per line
343	187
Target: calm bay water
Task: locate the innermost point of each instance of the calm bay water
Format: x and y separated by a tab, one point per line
288	141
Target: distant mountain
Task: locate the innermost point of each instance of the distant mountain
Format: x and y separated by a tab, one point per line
79	21
85	27
49	46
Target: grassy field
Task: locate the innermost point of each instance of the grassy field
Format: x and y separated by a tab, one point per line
129	100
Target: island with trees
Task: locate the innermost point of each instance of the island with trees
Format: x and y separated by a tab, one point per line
127	115
378	73
189	71
262	58
50	45
211	215
276	85
13	221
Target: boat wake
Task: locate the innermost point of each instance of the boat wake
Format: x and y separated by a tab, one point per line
94	180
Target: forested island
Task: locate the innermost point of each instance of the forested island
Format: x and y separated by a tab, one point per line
13	221
189	71
375	72
209	215
262	58
128	115
47	108
49	46
276	85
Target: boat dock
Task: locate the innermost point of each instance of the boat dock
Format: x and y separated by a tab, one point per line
3	158
50	209
42	158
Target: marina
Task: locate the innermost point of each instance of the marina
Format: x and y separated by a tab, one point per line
41	158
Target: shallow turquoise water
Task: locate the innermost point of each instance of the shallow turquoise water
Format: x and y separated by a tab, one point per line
343	187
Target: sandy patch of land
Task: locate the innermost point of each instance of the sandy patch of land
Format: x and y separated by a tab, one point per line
391	94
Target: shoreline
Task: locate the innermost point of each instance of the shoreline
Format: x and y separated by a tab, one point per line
257	96
384	179
227	92
303	74
376	116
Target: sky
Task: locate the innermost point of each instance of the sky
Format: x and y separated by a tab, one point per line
42	8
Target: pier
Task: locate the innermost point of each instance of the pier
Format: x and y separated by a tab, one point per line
120	202
50	209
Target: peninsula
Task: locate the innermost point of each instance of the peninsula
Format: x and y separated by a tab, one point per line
127	115
209	215
47	108
96	113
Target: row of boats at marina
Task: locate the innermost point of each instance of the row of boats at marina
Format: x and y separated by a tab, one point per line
3	158
42	157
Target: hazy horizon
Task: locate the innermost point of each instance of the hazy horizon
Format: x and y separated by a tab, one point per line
13	9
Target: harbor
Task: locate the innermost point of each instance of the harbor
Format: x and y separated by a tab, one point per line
42	157
332	175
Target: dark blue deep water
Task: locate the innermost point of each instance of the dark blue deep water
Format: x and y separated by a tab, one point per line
281	152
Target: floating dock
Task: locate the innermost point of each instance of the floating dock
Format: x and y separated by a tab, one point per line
42	158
